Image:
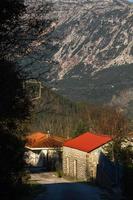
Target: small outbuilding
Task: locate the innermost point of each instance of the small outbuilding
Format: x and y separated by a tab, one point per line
44	150
81	155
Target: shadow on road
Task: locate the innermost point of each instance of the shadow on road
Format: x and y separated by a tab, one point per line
69	190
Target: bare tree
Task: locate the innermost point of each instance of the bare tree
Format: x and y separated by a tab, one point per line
24	26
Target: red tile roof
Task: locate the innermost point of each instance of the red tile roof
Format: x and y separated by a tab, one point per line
43	140
87	142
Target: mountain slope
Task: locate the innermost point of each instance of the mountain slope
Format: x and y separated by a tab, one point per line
91	49
97	34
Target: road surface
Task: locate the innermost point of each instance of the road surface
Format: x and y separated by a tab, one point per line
61	189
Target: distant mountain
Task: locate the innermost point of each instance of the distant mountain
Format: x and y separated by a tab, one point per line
90	55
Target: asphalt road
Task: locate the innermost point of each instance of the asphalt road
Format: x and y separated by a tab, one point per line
60	189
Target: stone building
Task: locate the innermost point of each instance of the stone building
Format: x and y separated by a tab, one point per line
81	155
43	150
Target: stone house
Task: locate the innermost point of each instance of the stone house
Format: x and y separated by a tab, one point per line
81	155
43	150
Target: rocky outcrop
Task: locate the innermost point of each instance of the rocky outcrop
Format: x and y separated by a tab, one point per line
97	34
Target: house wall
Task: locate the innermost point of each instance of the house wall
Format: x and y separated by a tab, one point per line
86	163
43	158
74	163
34	158
92	160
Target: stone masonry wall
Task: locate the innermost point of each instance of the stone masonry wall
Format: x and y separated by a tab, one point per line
80	158
86	162
92	161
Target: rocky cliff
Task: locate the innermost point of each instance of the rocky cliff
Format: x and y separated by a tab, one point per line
97	34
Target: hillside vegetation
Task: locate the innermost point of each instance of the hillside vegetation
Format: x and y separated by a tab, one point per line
57	115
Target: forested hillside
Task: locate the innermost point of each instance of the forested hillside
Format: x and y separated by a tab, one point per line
57	115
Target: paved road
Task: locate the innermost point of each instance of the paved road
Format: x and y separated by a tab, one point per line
60	189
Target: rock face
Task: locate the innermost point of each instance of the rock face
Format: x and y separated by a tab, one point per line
97	34
92	41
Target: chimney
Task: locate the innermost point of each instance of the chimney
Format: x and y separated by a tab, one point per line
48	134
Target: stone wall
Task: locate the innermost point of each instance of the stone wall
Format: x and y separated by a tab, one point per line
71	155
92	162
86	163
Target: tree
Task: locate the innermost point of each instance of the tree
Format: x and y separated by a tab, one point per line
17	28
14	101
12	163
109	120
10	11
120	151
81	128
15	110
22	25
